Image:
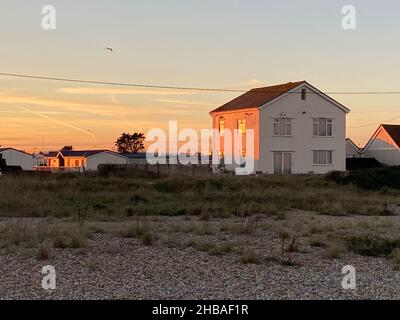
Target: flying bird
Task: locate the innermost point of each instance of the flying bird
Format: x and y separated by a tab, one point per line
109	49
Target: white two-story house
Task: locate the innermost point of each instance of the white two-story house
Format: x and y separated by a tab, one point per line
297	129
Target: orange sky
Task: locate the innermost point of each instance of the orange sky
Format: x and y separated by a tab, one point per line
185	43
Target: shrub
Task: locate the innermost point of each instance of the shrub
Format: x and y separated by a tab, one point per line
335	249
147	238
395	259
372	246
370	179
43	251
249	257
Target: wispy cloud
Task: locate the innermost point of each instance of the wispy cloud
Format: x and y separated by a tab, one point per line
93	108
65	124
124	91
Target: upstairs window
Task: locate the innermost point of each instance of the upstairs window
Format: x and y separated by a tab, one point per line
322	127
242	126
283	127
221	126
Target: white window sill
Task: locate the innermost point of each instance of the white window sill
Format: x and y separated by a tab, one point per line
322	137
322	165
278	136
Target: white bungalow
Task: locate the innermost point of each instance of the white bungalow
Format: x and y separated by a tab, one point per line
17	158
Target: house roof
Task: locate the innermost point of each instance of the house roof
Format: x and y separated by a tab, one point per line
394	132
51	154
138	155
258	97
80	153
354	145
85	153
5	149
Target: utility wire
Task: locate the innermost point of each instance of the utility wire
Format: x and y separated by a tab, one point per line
149	86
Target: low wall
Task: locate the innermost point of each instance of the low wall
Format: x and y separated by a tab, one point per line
168	170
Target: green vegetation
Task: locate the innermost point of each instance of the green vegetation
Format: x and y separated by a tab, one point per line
115	194
371	179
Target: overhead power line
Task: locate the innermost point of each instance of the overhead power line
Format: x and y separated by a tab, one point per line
168	87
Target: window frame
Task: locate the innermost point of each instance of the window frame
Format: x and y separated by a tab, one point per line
282	123
327	155
327	127
221	126
241	125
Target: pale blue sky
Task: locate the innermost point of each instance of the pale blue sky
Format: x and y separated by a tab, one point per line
208	43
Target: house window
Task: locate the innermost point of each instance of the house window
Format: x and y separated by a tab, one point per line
242	126
322	157
303	94
282	127
323	127
221	126
77	163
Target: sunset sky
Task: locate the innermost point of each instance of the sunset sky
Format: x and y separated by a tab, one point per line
207	43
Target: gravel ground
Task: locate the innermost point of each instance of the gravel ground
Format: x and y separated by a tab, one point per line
120	268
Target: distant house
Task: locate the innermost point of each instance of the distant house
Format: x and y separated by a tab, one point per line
136	158
17	158
384	145
298	129
83	160
46	160
352	150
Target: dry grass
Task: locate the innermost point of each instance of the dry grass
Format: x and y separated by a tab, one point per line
37	234
249	257
335	249
93	197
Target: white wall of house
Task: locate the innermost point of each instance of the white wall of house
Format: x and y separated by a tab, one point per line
94	161
352	151
18	158
383	149
301	143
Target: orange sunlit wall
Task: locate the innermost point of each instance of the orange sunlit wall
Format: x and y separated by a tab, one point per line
230	120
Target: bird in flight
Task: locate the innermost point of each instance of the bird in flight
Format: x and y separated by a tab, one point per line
109	49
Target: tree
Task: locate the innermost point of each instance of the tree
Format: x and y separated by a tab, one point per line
67	148
130	143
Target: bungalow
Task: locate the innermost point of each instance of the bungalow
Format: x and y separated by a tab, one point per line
352	150
17	158
384	145
83	160
297	129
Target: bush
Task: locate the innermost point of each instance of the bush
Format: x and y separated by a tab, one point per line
372	246
249	257
395	259
370	179
335	249
43	251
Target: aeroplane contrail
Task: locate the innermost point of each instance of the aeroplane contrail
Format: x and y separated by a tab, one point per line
60	122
